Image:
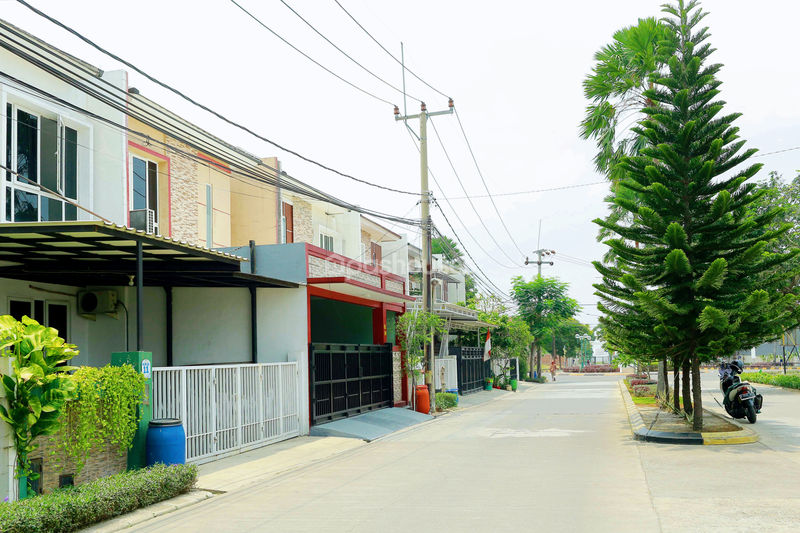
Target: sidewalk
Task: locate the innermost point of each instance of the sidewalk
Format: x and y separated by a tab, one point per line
240	471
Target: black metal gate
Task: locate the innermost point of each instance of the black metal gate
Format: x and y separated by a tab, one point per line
471	368
348	379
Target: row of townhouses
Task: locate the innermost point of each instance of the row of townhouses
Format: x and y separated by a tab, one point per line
267	306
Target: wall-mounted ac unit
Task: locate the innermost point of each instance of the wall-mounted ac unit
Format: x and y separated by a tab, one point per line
93	302
143	219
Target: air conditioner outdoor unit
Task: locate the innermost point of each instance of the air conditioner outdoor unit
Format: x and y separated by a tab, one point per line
143	219
93	302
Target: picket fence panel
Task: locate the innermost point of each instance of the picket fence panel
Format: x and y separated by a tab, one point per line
229	408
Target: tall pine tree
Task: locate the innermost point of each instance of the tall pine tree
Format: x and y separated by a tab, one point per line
703	283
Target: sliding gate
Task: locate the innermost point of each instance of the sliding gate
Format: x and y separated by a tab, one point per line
348	379
471	368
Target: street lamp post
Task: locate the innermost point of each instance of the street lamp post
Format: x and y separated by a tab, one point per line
582	338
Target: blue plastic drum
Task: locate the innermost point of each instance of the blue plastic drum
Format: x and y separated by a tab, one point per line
166	442
453	391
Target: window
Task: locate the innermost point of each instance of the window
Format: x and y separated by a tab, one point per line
51	314
40	150
145	185
326	242
35	480
287	223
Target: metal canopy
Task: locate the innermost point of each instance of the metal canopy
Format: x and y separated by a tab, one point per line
95	253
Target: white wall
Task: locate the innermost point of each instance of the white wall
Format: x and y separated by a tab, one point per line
395	256
210	325
282	323
344	225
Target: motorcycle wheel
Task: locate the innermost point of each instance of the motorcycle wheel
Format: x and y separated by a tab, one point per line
750	410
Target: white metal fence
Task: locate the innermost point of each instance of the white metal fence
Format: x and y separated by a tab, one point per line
228	408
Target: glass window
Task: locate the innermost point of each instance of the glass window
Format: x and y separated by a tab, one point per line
27	147
57	318
26	206
70	181
49	154
20	308
9	133
52	210
8	204
139	183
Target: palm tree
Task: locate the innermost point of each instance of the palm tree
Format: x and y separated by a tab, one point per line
615	90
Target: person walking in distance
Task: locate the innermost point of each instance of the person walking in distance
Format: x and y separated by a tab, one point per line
553	369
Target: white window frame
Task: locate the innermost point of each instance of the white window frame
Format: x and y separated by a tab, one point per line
20	100
323	237
147	186
47	304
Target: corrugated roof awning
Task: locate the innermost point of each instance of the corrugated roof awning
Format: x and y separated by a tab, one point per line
95	253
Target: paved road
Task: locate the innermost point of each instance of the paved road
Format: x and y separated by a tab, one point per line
553	457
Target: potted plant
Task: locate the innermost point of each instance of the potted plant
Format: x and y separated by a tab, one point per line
488	384
514	385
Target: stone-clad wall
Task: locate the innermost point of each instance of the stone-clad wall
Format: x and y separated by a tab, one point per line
303	228
103	461
184	187
397	377
320	268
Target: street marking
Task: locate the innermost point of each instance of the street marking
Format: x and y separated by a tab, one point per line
509	433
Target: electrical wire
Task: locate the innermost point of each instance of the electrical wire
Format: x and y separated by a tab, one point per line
235	169
125	105
461	183
534	191
348	56
465	249
458	217
485	186
388	52
204	107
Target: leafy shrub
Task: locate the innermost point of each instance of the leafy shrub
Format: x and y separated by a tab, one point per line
644	390
635	382
641	375
592	369
446	400
73	508
790	381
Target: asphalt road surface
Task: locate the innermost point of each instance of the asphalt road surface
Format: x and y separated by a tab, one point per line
551	457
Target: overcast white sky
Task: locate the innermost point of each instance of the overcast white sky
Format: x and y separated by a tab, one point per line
513	68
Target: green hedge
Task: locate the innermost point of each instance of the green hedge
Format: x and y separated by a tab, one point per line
790	381
73	508
446	400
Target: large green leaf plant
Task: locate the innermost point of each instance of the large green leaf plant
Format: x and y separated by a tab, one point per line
37	387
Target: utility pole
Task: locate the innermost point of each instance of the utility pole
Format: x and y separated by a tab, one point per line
540	253
425	216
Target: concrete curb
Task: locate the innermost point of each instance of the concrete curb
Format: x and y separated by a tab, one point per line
641	432
139	516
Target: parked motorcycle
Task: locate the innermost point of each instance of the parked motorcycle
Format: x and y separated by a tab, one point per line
740	398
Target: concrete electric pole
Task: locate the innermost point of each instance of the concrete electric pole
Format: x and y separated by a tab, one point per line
540	253
425	216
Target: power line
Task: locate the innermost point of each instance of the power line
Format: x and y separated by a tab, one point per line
125	105
348	56
778	151
484	285
458	178
474	159
388	52
465	249
533	191
204	107
320	65
235	169
458	217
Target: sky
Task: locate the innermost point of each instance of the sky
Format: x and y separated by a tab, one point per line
514	70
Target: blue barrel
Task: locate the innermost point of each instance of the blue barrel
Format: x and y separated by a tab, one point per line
166	442
453	391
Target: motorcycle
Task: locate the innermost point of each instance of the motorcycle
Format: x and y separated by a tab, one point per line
740	398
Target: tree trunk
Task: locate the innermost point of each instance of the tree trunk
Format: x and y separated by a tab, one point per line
697	422
530	363
676	386
539	360
687	387
663	381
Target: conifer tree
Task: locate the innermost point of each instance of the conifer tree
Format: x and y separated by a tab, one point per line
703	284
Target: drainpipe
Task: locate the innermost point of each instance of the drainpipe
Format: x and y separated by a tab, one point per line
253	308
